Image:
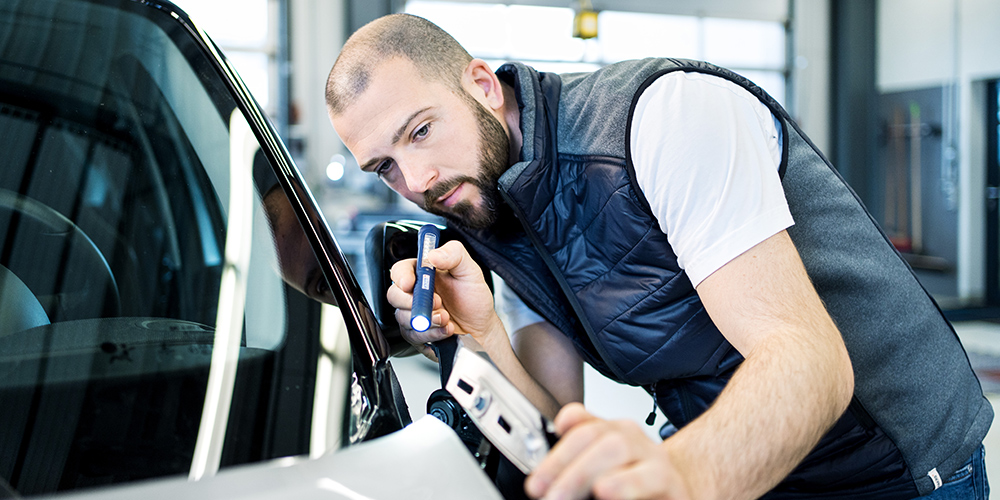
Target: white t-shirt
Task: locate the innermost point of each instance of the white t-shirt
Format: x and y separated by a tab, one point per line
706	154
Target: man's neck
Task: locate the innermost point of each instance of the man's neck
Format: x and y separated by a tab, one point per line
512	117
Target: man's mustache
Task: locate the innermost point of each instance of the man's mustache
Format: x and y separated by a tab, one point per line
442	188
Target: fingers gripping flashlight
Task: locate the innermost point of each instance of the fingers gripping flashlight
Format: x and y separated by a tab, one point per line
423	290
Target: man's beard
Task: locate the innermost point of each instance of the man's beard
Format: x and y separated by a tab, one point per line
494	155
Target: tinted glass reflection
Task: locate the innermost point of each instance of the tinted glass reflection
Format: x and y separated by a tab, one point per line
115	193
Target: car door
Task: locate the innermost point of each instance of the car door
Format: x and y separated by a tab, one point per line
148	325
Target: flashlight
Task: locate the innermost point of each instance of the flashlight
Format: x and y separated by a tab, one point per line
423	290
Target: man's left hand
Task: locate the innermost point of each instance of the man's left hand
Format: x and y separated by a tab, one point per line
608	459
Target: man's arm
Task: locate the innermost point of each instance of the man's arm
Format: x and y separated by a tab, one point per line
550	358
795	382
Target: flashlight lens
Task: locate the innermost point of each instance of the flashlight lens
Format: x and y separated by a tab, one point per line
420	323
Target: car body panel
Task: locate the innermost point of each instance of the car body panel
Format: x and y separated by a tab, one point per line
425	460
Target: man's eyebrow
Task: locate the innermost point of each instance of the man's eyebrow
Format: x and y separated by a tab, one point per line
400	130
371	163
395	138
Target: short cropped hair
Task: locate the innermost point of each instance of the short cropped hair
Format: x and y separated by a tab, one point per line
436	55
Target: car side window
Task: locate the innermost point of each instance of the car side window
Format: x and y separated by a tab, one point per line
135	246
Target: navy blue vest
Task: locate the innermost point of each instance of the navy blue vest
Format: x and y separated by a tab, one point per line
578	243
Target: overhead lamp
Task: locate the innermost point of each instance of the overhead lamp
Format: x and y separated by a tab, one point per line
336	168
585	21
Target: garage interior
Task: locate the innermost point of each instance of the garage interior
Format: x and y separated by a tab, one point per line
902	97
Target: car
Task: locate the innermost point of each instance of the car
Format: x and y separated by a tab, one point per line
162	334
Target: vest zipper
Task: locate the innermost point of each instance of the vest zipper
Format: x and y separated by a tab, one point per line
558	275
652	414
688	410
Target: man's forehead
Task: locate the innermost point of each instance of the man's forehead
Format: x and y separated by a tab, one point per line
395	93
391	77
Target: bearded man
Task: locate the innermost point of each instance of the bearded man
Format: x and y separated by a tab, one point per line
668	223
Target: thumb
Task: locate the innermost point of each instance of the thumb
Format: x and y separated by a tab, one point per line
454	258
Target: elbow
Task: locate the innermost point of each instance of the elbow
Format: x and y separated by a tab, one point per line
843	381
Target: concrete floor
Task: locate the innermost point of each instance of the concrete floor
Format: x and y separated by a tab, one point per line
419	377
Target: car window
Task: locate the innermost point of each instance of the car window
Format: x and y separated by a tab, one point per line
135	252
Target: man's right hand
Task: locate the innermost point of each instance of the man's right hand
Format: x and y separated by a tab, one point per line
463	302
463	305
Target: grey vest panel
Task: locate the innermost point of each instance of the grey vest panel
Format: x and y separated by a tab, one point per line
594	107
911	373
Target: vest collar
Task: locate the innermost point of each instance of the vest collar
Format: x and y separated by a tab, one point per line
537	97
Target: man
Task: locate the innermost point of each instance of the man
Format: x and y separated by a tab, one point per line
644	215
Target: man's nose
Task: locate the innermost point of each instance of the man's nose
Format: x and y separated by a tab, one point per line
419	177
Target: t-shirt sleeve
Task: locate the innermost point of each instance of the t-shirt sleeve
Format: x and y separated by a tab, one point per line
706	154
512	309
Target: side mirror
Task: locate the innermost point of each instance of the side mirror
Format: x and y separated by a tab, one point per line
388	243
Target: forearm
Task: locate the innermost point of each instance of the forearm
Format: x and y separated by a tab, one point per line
779	403
497	345
551	359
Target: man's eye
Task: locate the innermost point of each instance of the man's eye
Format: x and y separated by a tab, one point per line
383	167
421	132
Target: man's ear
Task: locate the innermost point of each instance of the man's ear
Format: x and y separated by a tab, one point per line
480	81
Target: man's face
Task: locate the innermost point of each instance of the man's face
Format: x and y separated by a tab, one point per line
442	151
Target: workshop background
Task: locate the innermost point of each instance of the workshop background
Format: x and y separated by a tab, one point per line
901	95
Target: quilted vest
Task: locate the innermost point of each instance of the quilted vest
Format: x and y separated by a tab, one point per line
579	245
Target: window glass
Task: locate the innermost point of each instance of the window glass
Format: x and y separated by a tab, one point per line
243	29
231	23
631	35
551	66
542	38
740	43
481	28
133	245
543	33
255	70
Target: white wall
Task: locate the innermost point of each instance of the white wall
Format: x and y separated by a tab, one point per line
929	42
915	44
810	102
942	43
980	37
317	34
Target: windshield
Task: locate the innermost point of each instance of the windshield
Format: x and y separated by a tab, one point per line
136	259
